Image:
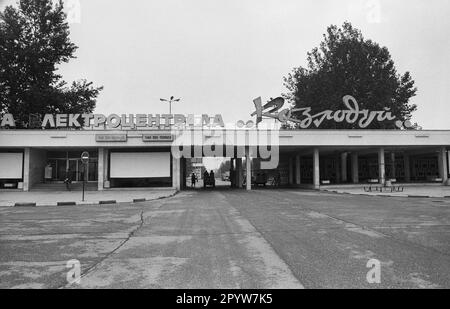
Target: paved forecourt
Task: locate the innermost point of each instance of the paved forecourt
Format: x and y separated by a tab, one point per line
231	239
186	241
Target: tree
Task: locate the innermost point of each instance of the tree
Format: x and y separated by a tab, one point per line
224	167
34	40
347	64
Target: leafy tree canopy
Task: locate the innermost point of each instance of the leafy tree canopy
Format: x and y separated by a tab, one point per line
34	40
347	64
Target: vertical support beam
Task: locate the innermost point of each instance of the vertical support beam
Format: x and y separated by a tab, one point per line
235	172
355	171
101	169
316	168
298	178
381	167
344	167
232	173
407	167
393	172
291	171
182	173
248	169
448	162
176	171
443	165
26	169
239	176
106	182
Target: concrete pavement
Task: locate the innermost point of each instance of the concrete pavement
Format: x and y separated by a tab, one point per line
187	241
194	242
231	239
327	239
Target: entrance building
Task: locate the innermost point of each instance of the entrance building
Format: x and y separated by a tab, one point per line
140	158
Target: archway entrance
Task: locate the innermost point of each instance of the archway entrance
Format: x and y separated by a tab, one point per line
207	173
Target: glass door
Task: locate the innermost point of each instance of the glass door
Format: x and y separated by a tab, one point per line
54	166
61	167
74	172
92	170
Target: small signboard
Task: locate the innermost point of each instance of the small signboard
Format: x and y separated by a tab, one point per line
111	138
160	137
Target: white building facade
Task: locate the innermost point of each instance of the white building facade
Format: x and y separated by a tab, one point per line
121	158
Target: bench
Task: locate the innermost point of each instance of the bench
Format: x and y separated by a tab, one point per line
388	187
381	188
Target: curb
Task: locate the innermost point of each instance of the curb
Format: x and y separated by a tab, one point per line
105	202
386	195
25	205
66	204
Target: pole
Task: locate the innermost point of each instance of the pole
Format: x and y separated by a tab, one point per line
84	162
248	168
84	179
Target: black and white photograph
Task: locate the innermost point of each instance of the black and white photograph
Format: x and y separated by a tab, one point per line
224	151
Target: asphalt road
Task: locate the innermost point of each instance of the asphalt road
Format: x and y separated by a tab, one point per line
231	239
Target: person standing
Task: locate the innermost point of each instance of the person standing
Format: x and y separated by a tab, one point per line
205	178
68	180
212	179
278	179
193	180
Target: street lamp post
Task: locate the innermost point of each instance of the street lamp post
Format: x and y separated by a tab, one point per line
171	100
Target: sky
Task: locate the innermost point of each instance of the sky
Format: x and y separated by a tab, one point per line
218	55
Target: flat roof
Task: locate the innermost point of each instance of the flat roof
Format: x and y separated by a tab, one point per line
236	137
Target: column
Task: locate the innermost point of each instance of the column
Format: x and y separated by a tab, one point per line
183	173
232	173
101	169
407	168
448	161
355	172
176	171
298	179
316	168
103	166
239	177
393	165
26	169
248	169
291	171
106	182
443	165
381	167
344	167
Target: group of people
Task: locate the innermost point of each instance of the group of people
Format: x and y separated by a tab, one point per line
206	176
